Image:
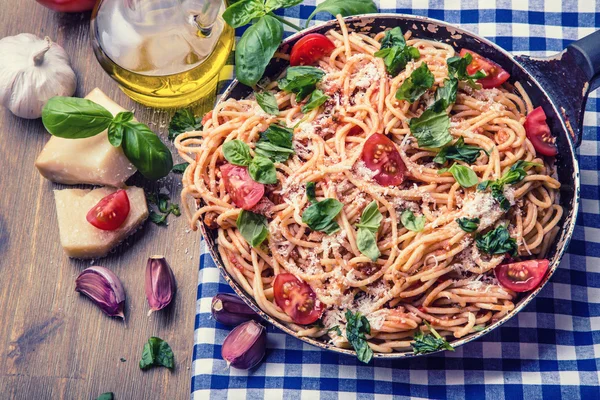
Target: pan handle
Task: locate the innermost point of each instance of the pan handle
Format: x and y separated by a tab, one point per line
586	52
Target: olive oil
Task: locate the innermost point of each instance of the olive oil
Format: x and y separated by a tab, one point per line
158	53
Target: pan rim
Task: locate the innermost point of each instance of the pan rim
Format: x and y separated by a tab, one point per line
570	219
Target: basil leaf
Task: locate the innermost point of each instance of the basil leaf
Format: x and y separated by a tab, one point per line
320	216
301	80
344	7
75	118
497	189
366	238
468	224
395	58
459	151
106	396
517	172
336	329
252	227
416	85
457	66
271	5
146	151
157	353
158	219
366	241
465	176
180	168
445	95
430	342
243	12
273	152
497	241
183	121
262	170
268	102
237	152
311	192
316	99
412	222
371	217
357	326
431	129
256	48
393	38
116	128
278	135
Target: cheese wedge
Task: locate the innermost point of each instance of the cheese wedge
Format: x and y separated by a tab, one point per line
92	160
78	237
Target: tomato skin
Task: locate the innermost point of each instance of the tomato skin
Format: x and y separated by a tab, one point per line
355	131
538	132
496	75
521	276
297	299
244	191
68	5
110	212
310	49
380	154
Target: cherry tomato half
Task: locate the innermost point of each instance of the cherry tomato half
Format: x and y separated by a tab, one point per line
244	191
110	212
297	299
310	49
521	276
496	75
380	154
68	5
538	132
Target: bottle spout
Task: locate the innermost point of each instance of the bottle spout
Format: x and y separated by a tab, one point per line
203	14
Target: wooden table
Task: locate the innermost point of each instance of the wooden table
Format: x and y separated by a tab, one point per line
54	343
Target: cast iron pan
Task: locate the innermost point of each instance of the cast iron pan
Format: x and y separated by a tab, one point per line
560	84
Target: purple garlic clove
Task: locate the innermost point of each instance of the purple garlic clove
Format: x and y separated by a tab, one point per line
160	283
229	309
104	288
245	345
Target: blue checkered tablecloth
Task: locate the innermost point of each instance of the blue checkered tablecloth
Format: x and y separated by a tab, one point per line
550	350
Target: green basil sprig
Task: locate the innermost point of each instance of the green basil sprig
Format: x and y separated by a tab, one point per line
252	227
262	170
445	95
237	152
260	41
157	353
431	129
497	241
75	118
459	151
457	66
516	173
394	51
300	80
320	215
366	237
268	102
412	222
316	99
357	327
427	343
465	176
416	85
344	7
275	143
183	121
468	224
163	202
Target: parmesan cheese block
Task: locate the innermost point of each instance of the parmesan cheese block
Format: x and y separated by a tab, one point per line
78	237
91	160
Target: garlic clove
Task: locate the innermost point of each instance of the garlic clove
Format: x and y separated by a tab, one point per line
160	283
229	309
245	345
104	288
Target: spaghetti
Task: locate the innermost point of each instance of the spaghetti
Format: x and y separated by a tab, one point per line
436	275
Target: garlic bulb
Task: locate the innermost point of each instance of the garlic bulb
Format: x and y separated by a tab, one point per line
32	70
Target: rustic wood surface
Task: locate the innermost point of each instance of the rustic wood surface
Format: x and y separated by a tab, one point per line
54	343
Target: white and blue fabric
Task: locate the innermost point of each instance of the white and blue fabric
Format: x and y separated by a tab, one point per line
550	350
